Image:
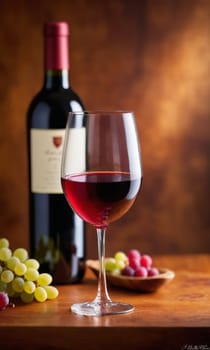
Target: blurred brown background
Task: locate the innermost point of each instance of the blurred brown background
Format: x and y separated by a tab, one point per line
150	56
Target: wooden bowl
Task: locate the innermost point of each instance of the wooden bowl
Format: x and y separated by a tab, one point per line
139	284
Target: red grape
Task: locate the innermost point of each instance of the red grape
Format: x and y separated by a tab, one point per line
134	254
4	300
134	263
146	261
128	271
153	271
141	272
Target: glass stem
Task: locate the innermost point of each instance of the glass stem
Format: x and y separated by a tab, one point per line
102	294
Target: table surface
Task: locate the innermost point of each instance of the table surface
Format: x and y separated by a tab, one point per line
177	316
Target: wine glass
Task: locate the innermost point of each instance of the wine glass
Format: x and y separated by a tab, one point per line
101	175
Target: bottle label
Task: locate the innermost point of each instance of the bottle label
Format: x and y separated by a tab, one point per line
46	152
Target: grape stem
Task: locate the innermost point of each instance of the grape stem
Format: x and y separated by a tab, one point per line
102	298
12	305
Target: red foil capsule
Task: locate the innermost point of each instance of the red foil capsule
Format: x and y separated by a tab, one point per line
56	45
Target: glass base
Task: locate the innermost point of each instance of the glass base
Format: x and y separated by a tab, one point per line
97	309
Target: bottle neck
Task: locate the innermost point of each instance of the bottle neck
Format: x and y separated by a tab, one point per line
56	48
56	79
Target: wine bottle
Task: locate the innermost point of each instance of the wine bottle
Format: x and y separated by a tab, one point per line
57	234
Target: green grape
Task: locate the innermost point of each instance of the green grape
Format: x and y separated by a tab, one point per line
110	264
12	262
3	286
20	269
7	276
18	284
21	254
44	279
116	272
32	263
1	269
29	287
40	294
5	253
4	243
52	292
120	264
121	256
31	274
26	297
10	291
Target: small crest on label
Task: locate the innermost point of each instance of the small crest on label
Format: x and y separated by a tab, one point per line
57	141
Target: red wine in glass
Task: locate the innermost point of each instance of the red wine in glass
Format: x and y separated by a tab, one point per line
100	198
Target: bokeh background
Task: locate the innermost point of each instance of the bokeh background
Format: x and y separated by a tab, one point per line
149	56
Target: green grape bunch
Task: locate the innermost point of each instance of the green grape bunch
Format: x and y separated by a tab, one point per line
20	277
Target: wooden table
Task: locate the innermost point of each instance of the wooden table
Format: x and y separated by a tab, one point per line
177	316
